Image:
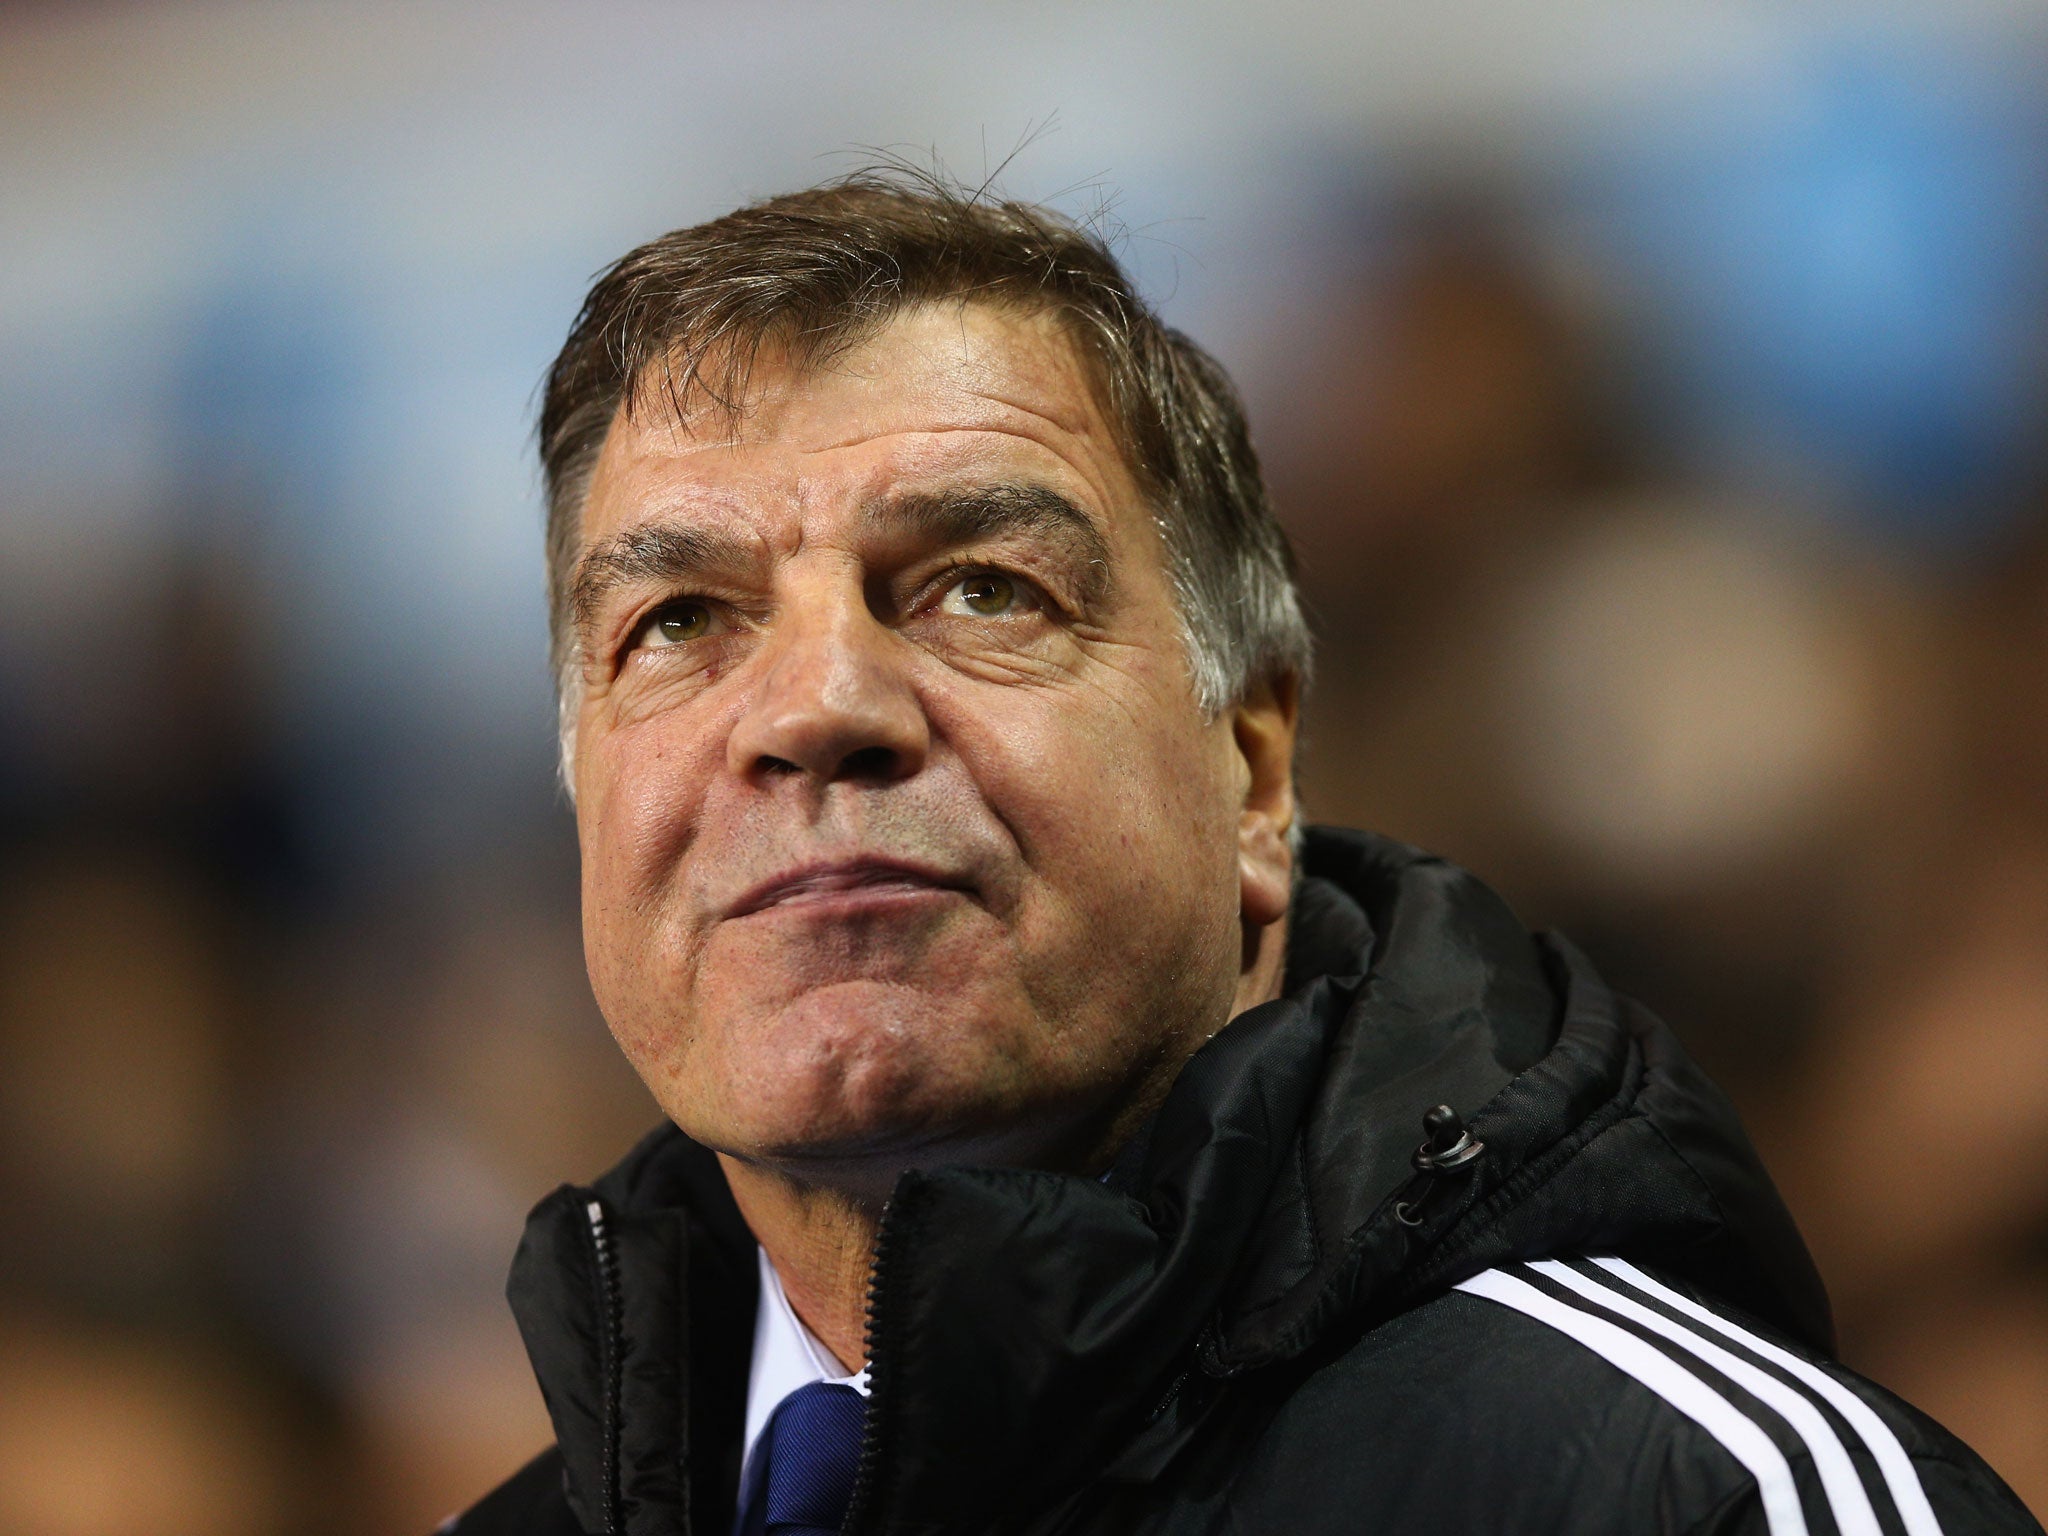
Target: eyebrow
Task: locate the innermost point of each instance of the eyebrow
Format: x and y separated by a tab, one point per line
980	513
659	552
669	553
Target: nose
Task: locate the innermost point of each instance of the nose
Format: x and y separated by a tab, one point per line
834	703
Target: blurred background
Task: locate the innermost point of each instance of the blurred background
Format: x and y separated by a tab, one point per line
1655	390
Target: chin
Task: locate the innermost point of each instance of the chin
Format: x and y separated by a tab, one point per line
863	1069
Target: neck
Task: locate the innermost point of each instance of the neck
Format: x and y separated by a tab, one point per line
821	1239
821	1242
1264	970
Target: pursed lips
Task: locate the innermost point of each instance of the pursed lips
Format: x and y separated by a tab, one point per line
849	878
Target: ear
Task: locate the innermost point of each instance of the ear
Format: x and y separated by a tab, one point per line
1263	727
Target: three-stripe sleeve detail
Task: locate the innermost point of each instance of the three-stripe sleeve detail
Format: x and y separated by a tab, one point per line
1737	1433
1838	1476
1896	1467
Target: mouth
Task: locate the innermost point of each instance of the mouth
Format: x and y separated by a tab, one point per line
849	884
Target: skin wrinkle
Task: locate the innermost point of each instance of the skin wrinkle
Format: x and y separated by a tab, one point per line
652	392
1082	424
656	552
680	556
1114	867
1058	426
677	435
684	557
970	515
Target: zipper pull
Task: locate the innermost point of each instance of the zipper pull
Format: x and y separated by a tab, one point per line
1447	1146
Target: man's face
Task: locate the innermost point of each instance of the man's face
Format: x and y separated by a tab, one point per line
904	838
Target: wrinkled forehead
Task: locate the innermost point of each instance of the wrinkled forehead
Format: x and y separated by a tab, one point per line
925	355
940	389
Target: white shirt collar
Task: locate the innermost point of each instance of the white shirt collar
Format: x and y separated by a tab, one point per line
787	1356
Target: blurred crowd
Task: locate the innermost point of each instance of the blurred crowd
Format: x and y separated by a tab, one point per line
265	1145
1765	732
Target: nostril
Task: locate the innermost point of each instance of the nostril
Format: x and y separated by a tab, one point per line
869	763
776	767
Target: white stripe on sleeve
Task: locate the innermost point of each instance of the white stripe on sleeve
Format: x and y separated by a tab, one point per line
1892	1460
1738	1434
1838	1476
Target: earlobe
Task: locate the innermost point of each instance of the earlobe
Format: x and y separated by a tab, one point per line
1263	727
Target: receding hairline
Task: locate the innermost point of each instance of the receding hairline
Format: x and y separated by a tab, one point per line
818	290
673	385
719	383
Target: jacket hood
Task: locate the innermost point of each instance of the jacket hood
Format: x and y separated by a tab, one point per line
1273	1205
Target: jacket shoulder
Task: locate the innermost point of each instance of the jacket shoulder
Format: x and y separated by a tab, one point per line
528	1503
1592	1396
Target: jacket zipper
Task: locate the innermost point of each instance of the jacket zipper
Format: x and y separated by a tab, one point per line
1172	1397
611	1333
871	1449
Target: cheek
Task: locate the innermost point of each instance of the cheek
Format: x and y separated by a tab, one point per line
640	797
1119	804
640	791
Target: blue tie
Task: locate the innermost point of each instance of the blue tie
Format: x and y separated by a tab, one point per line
800	1477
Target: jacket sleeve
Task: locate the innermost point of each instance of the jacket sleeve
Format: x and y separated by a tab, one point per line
1740	1514
1968	1498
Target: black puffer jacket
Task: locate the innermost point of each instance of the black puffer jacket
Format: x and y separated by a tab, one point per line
1268	1319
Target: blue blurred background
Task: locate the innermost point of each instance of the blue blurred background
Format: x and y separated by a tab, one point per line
1654	389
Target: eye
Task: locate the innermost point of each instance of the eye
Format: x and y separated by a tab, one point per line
986	594
676	624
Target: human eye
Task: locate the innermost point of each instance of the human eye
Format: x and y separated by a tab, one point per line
676	623
988	595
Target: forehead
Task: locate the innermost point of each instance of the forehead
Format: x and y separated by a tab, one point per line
942	392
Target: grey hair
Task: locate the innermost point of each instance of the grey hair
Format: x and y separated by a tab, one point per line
816	272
